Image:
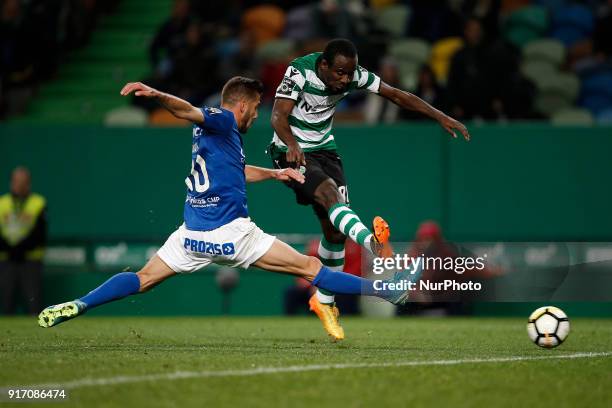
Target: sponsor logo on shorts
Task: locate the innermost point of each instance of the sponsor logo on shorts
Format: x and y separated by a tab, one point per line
228	248
211	248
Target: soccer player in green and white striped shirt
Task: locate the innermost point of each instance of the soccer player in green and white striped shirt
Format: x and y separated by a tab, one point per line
302	119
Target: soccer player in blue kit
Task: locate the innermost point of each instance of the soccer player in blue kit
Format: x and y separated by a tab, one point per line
217	228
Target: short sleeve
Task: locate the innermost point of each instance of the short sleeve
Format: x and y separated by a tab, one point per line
292	84
367	80
216	120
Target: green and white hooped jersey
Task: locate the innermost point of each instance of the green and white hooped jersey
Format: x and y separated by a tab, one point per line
312	116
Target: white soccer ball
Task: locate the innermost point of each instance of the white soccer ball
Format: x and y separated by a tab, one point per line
548	326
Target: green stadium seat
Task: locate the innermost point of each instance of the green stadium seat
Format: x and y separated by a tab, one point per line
572	117
409	72
520	36
120	71
392	19
89	81
556	92
546	49
525	25
565	84
568	84
126	116
108	52
537	71
276	50
95	85
548	103
410	50
73	109
534	17
144	21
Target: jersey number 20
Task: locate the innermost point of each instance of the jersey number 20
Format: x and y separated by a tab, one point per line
201	182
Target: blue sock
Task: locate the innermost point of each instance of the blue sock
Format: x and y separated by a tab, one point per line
117	287
345	283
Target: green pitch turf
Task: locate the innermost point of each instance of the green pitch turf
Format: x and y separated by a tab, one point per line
242	362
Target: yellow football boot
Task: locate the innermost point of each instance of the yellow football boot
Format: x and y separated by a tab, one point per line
328	314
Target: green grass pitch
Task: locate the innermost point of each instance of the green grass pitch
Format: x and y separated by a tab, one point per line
243	362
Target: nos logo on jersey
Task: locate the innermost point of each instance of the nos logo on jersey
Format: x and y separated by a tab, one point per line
213	111
306	106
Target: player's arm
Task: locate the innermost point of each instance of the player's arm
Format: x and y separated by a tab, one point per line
287	94
408	101
254	174
177	106
280	122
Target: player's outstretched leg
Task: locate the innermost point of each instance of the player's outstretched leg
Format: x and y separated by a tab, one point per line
117	287
283	258
344	219
349	223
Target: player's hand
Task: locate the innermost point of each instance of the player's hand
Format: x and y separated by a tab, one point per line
450	125
139	89
289	174
295	154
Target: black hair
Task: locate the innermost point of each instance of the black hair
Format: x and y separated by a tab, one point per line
339	46
239	87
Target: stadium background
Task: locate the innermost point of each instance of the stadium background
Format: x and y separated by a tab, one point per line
112	170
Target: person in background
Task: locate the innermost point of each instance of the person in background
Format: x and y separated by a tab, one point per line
194	66
429	242
469	81
432	20
169	38
603	31
17	63
429	90
23	236
379	110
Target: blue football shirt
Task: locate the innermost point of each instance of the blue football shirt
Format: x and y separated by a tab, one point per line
216	186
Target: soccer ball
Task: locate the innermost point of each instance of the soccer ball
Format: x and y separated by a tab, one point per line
548	326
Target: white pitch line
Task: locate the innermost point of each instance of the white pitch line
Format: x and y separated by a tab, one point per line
179	375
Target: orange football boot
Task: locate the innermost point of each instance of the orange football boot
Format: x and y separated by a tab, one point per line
328	314
381	233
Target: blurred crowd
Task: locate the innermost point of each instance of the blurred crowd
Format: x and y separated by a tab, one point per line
472	67
34	37
476	59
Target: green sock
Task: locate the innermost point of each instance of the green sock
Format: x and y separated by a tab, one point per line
332	256
350	225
